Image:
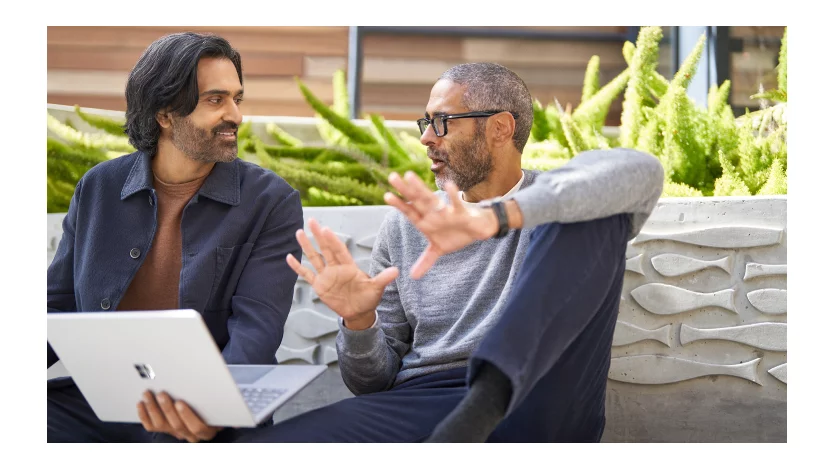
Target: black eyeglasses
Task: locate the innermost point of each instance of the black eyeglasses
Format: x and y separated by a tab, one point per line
438	122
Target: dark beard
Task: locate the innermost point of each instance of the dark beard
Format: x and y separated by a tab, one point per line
469	165
201	145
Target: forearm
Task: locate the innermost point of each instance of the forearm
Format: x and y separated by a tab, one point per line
593	185
366	361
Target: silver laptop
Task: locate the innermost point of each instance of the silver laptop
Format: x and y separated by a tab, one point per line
114	357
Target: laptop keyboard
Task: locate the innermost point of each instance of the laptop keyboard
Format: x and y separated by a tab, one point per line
258	398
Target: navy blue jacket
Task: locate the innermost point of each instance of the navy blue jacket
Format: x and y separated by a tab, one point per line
236	233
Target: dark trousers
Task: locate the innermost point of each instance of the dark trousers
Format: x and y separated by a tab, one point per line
553	341
69	418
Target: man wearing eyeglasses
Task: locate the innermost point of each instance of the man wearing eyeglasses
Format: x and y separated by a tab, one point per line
490	309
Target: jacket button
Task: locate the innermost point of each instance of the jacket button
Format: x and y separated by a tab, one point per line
134	253
105	304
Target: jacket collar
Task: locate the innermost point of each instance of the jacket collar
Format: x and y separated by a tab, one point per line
221	185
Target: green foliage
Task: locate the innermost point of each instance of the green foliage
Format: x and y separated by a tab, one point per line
705	151
659	118
111	126
591	84
638	92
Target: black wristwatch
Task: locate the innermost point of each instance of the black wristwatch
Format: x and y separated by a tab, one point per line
503	221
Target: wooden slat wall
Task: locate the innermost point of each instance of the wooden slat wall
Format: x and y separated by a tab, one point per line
756	64
399	70
89	65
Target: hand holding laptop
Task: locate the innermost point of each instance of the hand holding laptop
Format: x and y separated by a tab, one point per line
159	413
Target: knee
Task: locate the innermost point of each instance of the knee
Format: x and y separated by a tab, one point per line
603	233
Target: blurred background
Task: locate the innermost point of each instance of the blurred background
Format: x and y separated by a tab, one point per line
390	70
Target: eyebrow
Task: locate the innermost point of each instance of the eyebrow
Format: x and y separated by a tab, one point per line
220	92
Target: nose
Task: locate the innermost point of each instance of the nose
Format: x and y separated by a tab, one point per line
233	113
428	137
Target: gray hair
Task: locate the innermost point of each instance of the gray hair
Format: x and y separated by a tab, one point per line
495	87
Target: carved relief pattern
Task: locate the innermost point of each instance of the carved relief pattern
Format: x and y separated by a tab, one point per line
708	300
687	291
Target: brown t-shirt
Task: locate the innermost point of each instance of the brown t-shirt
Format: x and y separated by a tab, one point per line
156	285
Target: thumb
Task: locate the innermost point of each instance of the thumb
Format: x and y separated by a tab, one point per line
385	277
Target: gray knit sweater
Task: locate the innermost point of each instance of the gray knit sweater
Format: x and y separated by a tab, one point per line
434	323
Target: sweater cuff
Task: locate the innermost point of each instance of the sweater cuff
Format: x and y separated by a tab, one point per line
359	342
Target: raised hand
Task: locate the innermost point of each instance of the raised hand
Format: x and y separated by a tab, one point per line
447	227
337	280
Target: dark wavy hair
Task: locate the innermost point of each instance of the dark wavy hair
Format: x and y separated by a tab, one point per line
165	78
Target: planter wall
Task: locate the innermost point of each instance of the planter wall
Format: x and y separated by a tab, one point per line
700	349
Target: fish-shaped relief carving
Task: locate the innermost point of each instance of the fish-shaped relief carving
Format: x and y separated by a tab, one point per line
626	333
768	335
676	265
330	355
367	242
753	270
633	264
780	372
298	292
719	237
311	324
653	369
307	355
663	299
769	301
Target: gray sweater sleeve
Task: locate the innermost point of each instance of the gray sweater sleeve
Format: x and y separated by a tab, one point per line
370	359
592	185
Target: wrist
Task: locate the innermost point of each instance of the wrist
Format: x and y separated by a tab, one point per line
490	225
361	322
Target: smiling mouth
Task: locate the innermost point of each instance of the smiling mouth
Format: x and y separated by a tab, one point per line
227	135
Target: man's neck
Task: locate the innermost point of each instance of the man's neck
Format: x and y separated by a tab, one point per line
172	166
497	184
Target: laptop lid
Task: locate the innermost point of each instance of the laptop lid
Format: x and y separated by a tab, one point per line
114	357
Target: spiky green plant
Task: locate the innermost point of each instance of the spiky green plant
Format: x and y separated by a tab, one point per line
706	151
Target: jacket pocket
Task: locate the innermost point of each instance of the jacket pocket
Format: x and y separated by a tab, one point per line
228	268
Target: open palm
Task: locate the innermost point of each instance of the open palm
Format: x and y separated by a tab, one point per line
336	278
447	227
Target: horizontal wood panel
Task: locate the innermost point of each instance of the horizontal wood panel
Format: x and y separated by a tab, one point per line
113	103
109	83
422	71
117	103
541	52
323	41
323	67
401	70
89	65
60	56
757	31
575	29
125	58
86	82
412	46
